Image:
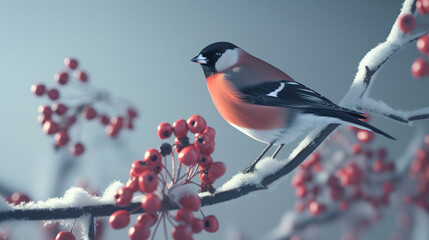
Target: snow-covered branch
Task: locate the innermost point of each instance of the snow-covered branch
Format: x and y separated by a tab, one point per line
370	105
267	171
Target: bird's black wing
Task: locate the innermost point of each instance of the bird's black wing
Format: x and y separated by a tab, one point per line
293	95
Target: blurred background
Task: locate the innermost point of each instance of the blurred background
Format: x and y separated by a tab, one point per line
141	51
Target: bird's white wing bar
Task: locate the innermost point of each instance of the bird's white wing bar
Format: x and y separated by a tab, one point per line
275	92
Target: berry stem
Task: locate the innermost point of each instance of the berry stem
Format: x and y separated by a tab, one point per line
157	225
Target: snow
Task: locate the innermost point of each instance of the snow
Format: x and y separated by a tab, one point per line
180	190
380	107
75	197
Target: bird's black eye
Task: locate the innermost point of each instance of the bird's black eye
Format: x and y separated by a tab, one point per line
218	54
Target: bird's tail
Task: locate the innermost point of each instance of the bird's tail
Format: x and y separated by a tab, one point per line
348	117
355	121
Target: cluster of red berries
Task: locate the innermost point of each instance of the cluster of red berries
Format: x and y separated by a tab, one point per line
349	181
407	23
356	173
419	176
58	117
164	187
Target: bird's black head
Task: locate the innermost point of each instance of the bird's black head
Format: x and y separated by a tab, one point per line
217	57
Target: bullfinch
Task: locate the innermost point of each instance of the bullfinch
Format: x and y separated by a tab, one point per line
265	103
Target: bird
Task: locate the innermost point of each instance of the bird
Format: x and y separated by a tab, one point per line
265	103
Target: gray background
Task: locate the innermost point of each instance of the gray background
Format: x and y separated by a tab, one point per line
141	51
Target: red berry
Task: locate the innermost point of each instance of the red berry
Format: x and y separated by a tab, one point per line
119	219
316	208
62	78
216	170
59	108
38	89
365	136
301	191
17	198
117	120
89	113
123	196
152	156
407	22
420	68
77	149
206	160
132	113
104	119
209	150
184	215
197	225
422	6
53	94
148	182
181	232
189	156
180	128
71	63
147	220
63	235
211	224
61	138
45	110
151	203
423	44
137	232
82	76
422	154
164	130
204	177
196	124
50	127
210	132
378	166
139	166
43	118
133	184
190	202
202	141
112	130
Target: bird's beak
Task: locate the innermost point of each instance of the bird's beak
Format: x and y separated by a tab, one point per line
199	59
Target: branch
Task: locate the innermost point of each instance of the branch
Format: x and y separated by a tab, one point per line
267	170
371	105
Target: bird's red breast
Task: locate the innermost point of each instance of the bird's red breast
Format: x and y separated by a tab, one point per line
240	113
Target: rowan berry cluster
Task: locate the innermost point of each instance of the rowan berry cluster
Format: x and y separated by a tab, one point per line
418	187
164	187
64	112
346	170
407	23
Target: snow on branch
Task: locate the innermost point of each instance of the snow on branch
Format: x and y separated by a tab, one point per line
370	105
267	170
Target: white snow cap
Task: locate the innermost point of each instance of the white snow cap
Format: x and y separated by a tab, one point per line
75	197
181	190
